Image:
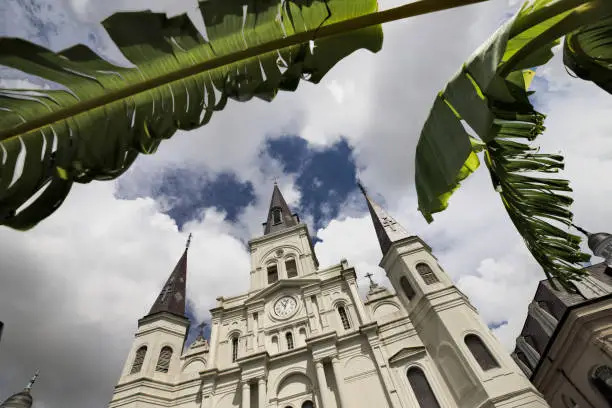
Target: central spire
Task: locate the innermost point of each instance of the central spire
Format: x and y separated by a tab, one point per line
172	297
387	229
279	215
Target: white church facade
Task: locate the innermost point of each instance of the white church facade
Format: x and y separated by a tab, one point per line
302	337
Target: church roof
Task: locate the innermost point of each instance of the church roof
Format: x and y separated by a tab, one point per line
388	230
22	399
279	214
172	296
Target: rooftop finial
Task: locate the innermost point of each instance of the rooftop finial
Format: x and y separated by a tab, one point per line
32	381
581	230
372	283
188	241
201	326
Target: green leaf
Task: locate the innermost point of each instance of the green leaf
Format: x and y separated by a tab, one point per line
588	53
490	93
108	114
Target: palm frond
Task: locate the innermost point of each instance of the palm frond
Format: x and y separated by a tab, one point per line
490	94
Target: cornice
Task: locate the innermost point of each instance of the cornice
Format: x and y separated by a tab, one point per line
182	320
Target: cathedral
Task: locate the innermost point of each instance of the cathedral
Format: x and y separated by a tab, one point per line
302	336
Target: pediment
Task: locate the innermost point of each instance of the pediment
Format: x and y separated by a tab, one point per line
407	354
280	285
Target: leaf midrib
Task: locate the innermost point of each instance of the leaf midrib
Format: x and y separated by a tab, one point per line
368	20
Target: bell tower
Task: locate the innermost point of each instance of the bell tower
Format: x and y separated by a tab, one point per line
158	344
285	249
474	364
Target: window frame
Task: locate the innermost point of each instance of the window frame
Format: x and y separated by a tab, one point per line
428	276
144	355
417	393
164	366
412	293
479	342
234	343
289	340
268	274
344	316
295	267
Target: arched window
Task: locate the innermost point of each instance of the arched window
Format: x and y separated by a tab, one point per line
289	338
421	388
234	348
163	362
480	352
427	274
272	273
344	318
139	360
601	378
291	268
308	404
408	291
274	344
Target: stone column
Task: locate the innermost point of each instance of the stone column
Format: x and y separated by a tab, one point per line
214	335
521	365
322	383
344	402
357	300
246	395
546	321
532	354
261	393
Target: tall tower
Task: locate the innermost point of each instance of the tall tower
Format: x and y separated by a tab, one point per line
477	369
22	399
154	358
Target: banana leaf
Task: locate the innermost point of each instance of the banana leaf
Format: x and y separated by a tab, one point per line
490	94
105	115
588	53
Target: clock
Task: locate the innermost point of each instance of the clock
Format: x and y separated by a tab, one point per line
285	306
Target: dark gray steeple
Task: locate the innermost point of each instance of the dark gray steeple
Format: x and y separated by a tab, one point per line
387	229
22	399
171	299
279	215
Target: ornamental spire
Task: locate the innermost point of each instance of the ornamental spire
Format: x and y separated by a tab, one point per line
388	230
279	214
171	299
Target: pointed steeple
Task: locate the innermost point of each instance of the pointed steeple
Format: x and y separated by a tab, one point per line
279	214
387	229
172	297
22	399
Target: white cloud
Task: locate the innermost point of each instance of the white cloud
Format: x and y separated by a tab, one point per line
77	284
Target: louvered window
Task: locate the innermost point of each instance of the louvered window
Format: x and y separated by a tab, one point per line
344	318
602	380
481	353
291	267
272	273
408	291
139	360
289	337
234	349
421	388
427	274
276	216
163	363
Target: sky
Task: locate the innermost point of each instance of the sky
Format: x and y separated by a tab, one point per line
73	288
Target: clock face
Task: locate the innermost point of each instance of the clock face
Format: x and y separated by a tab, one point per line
285	306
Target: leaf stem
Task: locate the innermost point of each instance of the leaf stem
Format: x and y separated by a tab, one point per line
408	10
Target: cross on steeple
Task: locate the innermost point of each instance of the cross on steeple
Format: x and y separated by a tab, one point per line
188	241
201	326
166	291
372	283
